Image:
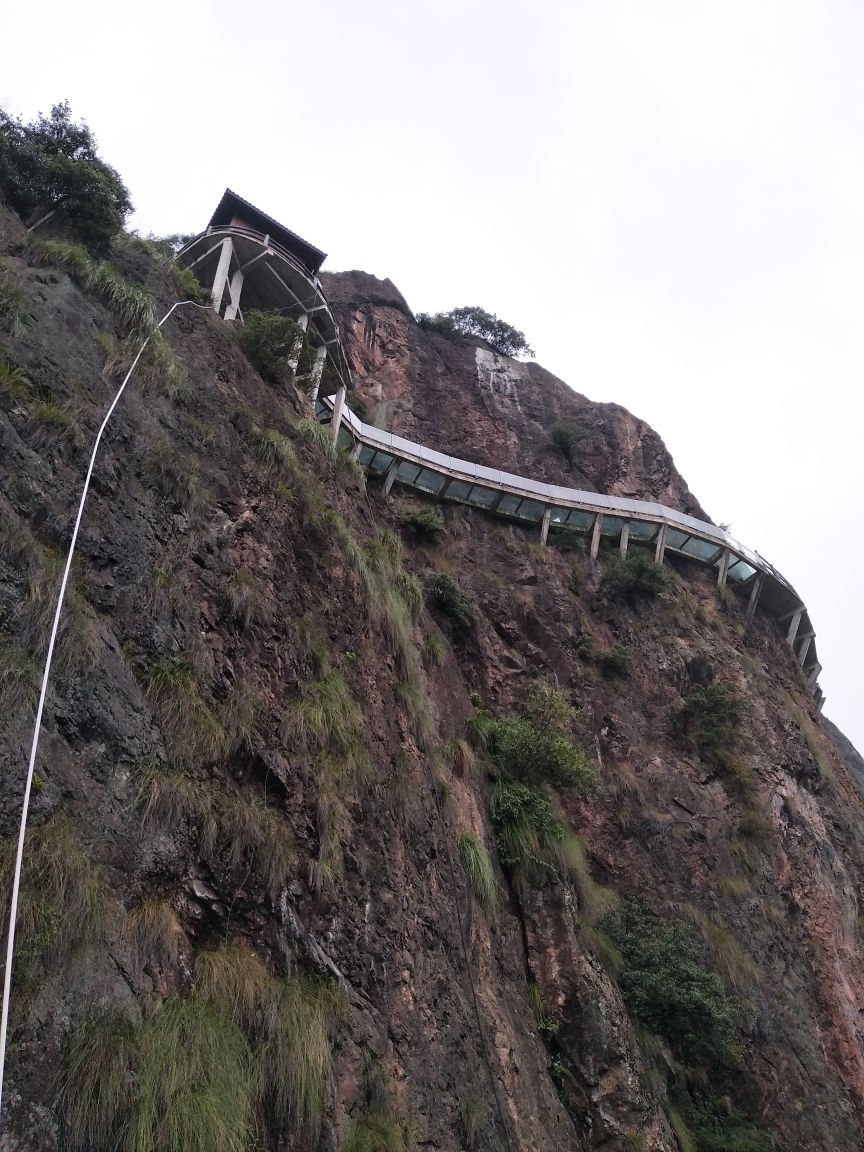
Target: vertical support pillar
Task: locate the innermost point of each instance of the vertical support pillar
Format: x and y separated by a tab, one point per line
222	270
318	371
793	626
625	539
595	536
814	673
755	593
660	550
820	705
804	649
723	571
337	413
391	475
235	286
544	525
356	450
294	354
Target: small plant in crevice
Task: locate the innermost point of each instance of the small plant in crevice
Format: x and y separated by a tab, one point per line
375	1126
613	661
547	1024
12	302
14	381
633	579
19	683
448	596
411	591
426	522
472	1116
478	870
460	758
566	436
583	646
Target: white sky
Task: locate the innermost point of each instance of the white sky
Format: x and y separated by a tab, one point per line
667	197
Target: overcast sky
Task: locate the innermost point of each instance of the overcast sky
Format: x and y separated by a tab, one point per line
667	197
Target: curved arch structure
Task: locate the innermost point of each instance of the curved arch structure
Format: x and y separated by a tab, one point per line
611	520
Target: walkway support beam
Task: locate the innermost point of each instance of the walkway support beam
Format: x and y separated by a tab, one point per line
235	286
391	474
297	347
337	415
625	539
544	525
660	550
793	626
222	270
595	536
804	649
318	371
755	593
723	570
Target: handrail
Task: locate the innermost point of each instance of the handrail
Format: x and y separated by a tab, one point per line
552	504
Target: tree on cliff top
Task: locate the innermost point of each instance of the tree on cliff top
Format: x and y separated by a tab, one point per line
503	337
50	168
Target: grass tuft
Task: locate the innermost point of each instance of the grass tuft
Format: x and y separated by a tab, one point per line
188	722
153	933
478	870
243	596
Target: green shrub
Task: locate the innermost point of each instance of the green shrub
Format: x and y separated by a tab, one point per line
636	578
358	406
425	521
189	287
530	836
474	321
411	591
613	661
12	302
268	340
567	539
565	435
51	166
717	1126
583	646
478	869
319	435
667	987
533	754
451	599
710	722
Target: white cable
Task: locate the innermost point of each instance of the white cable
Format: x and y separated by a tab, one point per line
16	881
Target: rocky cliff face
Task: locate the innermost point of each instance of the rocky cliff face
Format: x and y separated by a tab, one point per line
465	399
247	879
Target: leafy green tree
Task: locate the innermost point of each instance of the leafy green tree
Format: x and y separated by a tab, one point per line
50	169
473	321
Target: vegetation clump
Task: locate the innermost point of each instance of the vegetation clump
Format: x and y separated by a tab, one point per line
668	988
450	598
710	722
530	835
565	435
268	340
613	661
426	522
633	579
50	170
472	321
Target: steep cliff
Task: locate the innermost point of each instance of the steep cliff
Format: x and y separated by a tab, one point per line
278	738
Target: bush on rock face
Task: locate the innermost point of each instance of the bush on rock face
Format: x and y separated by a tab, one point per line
473	321
636	578
267	340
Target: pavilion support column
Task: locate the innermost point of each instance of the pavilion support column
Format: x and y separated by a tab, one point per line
544	525
391	476
337	413
814	673
755	593
235	287
222	270
595	536
660	550
724	570
625	539
820	705
297	347
793	626
317	371
804	648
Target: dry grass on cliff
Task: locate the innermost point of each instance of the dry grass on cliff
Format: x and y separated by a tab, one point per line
153	933
733	962
478	870
192	730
